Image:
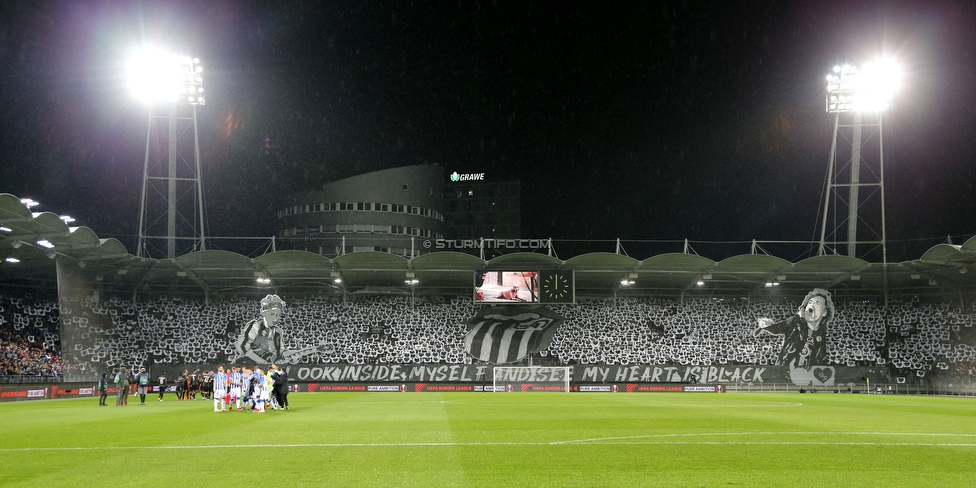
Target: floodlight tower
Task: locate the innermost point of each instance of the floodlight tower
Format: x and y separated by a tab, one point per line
857	98
171	207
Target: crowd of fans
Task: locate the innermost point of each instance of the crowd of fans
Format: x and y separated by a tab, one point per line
29	342
936	338
21	357
113	333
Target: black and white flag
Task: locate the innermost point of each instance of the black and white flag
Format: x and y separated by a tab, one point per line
502	335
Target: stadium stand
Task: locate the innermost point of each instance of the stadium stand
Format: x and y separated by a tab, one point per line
911	338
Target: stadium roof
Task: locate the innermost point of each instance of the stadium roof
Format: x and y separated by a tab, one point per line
42	241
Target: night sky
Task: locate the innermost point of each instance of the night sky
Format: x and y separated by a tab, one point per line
637	120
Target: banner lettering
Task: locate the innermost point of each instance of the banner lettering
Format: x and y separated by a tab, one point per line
638	373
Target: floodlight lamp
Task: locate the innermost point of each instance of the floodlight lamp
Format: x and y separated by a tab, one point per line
264	281
5	229
158	77
67	219
863	90
701	283
12	260
29	203
45	243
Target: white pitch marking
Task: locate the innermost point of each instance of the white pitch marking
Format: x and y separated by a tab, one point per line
629	440
611	440
578	405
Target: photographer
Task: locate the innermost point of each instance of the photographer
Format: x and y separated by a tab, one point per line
103	390
122	379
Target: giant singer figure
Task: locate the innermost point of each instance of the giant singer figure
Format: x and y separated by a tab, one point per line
805	333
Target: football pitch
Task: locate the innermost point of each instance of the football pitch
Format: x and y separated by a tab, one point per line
497	439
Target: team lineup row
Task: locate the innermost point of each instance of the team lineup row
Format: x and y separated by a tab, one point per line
238	388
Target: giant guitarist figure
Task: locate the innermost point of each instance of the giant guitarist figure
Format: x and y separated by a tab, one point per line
261	342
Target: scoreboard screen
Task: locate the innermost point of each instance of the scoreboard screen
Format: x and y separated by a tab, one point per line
524	287
506	287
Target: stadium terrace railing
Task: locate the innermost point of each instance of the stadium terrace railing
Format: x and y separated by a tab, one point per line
18	379
254	246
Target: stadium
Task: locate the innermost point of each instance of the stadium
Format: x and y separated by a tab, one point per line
370	335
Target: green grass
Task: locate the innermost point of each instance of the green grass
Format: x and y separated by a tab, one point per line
497	439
